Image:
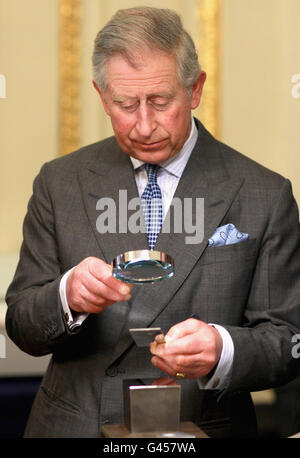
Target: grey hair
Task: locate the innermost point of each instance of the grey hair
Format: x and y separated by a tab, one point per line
132	31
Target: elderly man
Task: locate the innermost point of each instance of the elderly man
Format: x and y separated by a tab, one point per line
230	311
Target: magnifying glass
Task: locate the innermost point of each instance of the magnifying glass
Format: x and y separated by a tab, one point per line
143	266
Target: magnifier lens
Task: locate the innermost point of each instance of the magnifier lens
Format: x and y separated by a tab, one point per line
143	266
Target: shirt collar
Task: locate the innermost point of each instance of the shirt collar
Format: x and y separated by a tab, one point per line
176	164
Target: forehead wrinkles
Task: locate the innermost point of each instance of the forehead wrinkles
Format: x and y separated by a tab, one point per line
162	84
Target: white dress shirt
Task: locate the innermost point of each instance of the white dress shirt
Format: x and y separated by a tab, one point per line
168	178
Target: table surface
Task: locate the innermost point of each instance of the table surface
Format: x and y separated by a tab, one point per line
121	431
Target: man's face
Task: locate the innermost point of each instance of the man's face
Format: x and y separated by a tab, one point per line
149	109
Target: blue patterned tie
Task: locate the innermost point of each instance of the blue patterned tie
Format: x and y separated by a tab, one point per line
152	205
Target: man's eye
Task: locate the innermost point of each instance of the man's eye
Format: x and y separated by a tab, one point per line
129	107
160	103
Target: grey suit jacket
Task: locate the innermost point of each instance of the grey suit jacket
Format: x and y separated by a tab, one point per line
251	288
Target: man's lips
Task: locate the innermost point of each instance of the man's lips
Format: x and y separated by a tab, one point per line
150	145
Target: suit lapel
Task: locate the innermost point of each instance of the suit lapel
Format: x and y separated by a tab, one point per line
109	178
206	177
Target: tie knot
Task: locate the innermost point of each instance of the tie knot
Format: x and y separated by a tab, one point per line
152	170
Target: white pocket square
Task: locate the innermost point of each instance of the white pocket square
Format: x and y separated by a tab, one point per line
227	235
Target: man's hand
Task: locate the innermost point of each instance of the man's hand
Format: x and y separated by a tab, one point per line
165	381
191	347
91	287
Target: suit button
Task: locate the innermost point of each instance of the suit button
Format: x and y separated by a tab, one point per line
111	371
216	382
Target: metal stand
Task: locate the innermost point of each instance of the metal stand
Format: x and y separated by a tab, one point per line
152	411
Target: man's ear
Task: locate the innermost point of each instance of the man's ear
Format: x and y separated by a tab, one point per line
102	98
197	90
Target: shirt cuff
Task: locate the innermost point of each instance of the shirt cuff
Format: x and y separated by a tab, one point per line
73	323
220	377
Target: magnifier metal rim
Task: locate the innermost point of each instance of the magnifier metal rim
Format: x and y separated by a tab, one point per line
142	255
124	260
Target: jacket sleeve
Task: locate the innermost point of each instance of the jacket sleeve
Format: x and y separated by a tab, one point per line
34	318
263	355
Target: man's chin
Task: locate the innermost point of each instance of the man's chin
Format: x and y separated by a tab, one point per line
151	157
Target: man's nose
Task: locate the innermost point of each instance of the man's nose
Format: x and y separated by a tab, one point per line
146	123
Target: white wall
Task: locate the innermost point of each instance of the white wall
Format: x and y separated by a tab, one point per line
28	115
260	53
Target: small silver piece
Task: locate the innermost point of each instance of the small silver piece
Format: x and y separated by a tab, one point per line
144	336
143	266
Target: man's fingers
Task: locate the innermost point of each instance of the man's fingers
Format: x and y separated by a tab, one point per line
190	372
101	290
160	339
188	344
184	328
193	354
185	363
190	369
162	365
91	287
103	273
165	381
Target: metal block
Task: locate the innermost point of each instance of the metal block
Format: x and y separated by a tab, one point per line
151	407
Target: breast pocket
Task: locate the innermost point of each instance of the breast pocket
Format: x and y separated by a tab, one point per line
224	280
235	253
